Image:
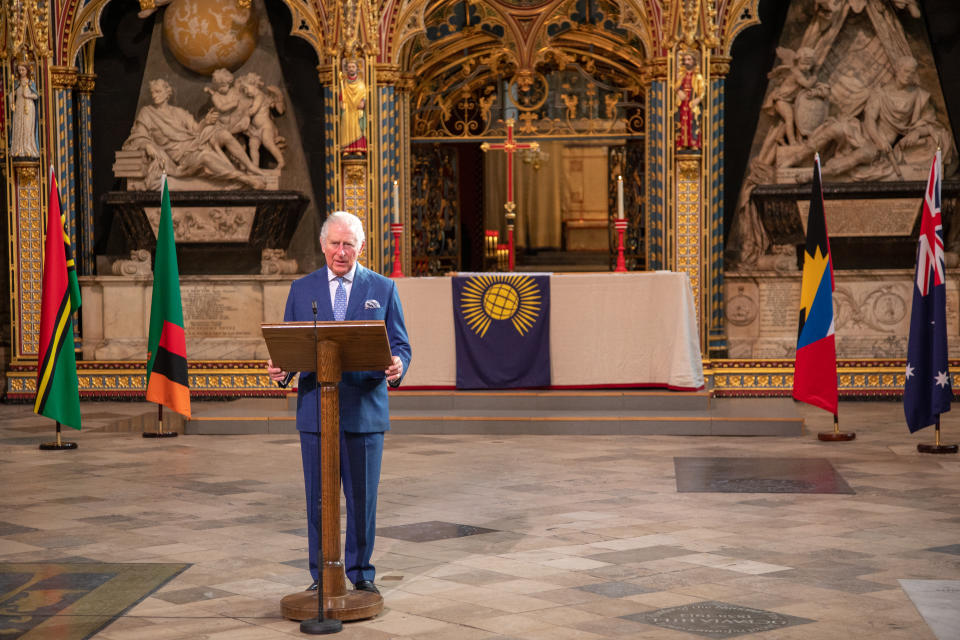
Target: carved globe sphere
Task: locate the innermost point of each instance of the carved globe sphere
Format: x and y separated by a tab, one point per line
204	35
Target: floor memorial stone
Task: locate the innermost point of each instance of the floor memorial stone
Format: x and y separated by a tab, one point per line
759	475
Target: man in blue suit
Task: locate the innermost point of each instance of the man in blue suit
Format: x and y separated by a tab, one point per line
344	290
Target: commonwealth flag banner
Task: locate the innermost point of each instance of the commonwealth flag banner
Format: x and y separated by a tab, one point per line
927	391
815	367
167	344
58	395
502	328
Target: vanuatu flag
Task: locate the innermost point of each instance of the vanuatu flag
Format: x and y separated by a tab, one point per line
167	344
815	368
502	330
58	395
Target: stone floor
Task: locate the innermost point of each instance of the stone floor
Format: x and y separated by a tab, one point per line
521	537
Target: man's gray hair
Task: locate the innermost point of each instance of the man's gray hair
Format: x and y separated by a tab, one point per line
350	221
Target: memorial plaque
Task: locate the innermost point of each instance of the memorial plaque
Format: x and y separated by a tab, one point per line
758	475
779	307
716	619
865	218
221	310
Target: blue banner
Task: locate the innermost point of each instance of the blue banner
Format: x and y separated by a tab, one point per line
502	326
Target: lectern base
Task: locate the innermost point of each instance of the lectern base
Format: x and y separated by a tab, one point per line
354	605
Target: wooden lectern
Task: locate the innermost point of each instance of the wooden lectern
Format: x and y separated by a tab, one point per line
334	348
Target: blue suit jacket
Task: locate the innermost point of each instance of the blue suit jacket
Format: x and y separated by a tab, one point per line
363	394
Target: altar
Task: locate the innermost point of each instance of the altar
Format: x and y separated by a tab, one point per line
606	330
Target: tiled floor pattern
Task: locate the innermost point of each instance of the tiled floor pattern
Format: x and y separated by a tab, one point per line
511	537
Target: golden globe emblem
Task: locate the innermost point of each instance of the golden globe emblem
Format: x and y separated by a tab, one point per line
501	301
204	35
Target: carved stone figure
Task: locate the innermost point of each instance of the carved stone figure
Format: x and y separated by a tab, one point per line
690	89
792	79
137	265
23	139
261	129
233	107
901	121
175	142
353	104
276	262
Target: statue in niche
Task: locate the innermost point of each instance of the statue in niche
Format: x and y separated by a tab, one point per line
183	147
261	129
690	90
353	104
23	139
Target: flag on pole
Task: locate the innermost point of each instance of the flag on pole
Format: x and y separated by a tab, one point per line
167	345
927	391
815	367
58	394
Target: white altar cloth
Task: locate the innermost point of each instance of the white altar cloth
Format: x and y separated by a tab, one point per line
606	329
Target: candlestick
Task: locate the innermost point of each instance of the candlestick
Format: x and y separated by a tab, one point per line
396	203
621	227
620	197
396	229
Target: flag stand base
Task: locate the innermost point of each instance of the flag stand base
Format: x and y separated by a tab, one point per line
159	433
937	447
836	435
59	445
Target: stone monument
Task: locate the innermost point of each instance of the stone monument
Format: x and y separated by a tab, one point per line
855	81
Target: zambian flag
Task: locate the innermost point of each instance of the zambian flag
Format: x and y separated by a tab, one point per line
167	345
58	395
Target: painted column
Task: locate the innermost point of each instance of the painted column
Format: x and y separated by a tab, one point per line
85	212
389	140
62	82
716	338
657	140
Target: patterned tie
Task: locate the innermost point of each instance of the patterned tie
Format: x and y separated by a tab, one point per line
340	301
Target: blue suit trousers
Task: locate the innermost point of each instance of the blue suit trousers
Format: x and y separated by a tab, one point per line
360	457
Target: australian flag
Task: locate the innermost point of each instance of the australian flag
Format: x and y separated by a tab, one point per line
502	328
927	392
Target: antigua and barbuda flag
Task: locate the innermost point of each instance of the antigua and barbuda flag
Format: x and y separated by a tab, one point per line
927	391
815	367
502	327
58	394
167	344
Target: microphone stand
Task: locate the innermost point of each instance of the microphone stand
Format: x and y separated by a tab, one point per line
319	625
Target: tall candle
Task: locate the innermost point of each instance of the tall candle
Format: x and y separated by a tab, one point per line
620	197
396	203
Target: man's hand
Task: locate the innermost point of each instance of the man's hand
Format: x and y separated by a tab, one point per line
395	370
276	373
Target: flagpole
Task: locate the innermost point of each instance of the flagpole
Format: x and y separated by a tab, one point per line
59	445
937	447
159	433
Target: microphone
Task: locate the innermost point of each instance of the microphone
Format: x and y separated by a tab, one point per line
314	310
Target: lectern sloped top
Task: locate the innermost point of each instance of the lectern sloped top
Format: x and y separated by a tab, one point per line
363	344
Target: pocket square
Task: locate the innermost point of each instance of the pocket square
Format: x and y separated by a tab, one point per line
371	304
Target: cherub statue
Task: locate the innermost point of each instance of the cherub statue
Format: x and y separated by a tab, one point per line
262	129
230	102
790	78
